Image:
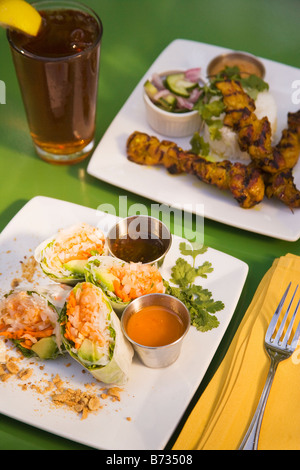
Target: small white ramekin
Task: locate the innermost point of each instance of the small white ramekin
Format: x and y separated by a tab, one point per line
171	124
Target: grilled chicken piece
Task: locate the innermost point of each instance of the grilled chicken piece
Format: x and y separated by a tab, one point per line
148	150
244	182
281	186
246	185
289	145
254	135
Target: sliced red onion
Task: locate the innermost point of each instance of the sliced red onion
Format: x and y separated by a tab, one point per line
158	81
161	94
183	103
193	75
195	95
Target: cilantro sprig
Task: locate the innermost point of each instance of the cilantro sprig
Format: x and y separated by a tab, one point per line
199	146
199	301
253	84
210	106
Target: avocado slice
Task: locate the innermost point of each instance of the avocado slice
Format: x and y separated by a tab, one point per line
88	351
76	266
105	278
45	348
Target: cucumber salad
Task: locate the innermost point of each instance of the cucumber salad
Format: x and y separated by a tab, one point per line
176	92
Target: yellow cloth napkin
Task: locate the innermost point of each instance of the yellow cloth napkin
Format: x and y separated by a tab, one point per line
221	417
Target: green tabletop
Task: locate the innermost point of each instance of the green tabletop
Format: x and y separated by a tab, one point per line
135	32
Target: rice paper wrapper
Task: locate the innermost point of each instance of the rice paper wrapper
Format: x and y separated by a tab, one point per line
60	272
117	371
40	256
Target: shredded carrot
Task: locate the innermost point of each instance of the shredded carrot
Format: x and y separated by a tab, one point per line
70	307
68	334
71	301
20	333
84	254
43	334
10	335
27	344
119	291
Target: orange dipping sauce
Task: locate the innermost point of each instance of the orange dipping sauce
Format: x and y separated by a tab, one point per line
155	326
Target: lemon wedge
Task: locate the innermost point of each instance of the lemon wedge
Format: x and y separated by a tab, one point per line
20	15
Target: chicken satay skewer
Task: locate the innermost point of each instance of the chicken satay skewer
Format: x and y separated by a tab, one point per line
244	182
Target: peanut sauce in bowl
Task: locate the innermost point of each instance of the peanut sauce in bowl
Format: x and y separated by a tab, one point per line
247	63
155	325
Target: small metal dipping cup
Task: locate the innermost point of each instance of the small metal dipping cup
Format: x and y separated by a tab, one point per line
247	63
140	226
157	356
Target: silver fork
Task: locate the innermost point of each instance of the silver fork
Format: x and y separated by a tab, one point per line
278	349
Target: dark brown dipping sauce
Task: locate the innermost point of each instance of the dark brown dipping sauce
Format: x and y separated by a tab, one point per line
137	250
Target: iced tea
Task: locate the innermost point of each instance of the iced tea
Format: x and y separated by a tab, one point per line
58	77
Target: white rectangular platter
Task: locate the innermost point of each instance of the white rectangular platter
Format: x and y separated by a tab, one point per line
109	161
153	400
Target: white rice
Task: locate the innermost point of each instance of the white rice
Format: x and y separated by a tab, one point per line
227	147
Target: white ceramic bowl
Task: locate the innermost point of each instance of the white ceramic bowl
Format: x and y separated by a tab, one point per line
168	123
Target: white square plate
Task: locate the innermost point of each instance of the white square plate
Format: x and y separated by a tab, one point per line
153	399
109	161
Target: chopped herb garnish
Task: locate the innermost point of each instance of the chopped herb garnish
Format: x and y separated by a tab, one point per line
212	109
254	85
94	252
198	145
198	300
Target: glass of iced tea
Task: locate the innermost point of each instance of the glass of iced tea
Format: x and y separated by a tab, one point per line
58	75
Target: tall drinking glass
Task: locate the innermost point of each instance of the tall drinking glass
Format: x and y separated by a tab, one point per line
58	76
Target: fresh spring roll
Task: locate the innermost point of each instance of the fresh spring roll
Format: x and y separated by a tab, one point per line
30	320
63	256
123	282
91	333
